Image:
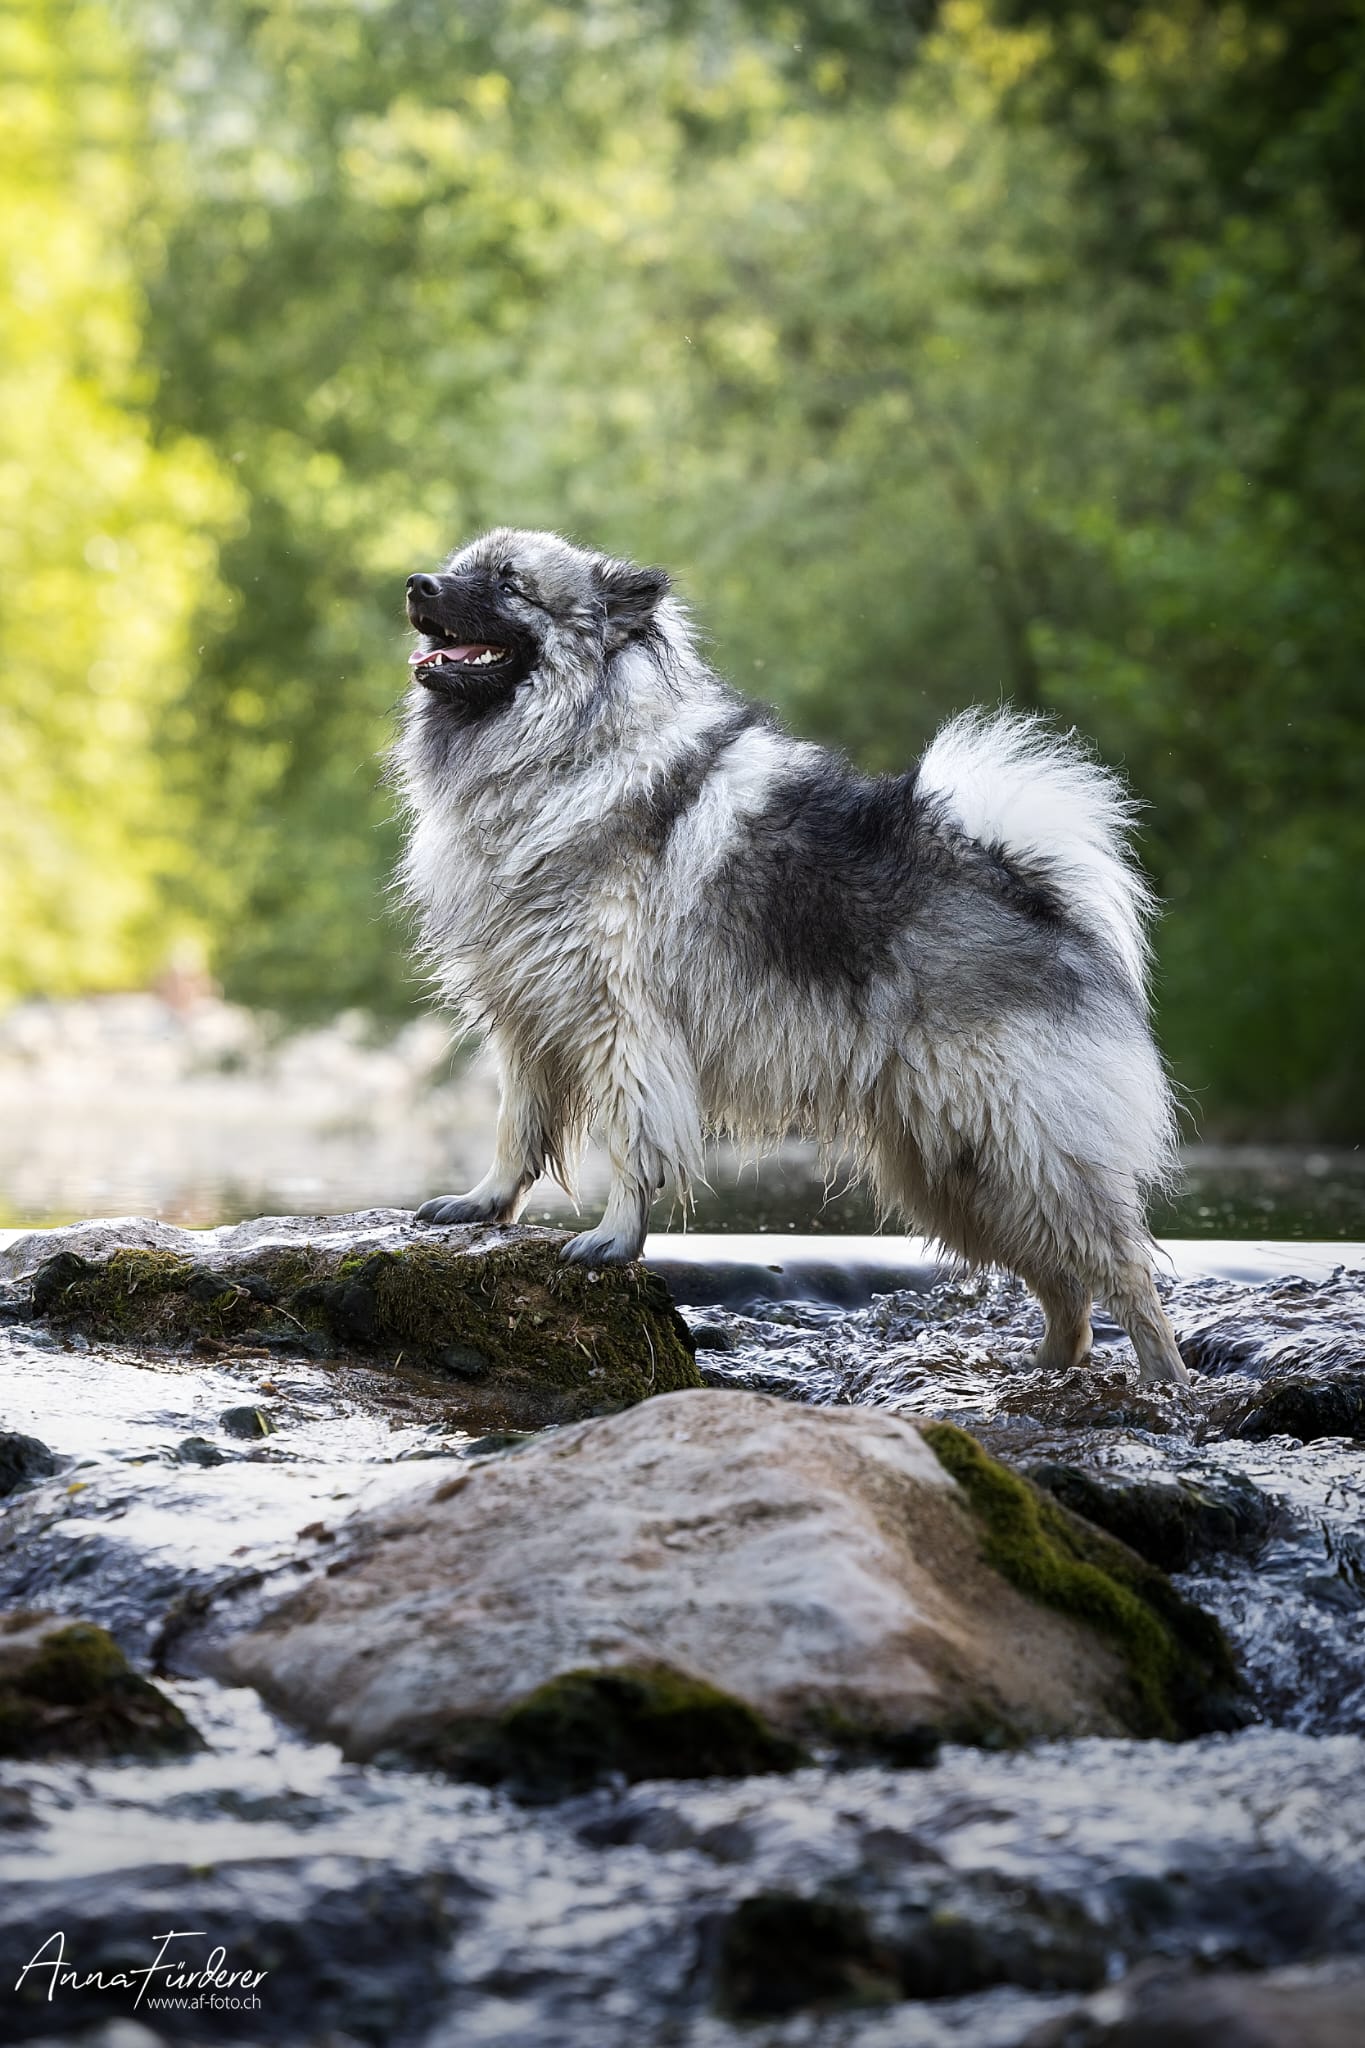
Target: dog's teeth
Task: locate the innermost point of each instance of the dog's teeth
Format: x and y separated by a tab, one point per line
441	657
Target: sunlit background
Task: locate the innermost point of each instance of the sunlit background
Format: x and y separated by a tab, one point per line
947	354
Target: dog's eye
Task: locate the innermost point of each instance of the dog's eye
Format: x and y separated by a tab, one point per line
507	579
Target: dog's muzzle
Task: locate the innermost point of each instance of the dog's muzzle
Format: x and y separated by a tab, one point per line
472	653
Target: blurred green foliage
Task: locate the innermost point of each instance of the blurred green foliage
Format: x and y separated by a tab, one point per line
107	524
947	354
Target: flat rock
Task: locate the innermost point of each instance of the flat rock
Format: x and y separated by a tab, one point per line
371	1229
816	1574
493	1317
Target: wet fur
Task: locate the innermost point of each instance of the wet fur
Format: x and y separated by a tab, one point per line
671	918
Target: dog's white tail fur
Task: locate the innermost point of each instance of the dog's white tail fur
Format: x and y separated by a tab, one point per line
1011	781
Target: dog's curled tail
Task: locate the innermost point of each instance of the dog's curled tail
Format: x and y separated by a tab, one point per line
1012	781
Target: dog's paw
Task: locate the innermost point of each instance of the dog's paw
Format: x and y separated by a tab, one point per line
460	1209
1163	1371
600	1248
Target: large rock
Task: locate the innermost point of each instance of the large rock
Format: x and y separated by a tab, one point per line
1313	2006
711	1581
520	1338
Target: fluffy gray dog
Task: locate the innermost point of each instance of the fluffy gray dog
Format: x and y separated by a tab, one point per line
670	917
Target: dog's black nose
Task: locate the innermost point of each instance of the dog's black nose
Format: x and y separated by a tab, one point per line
423	586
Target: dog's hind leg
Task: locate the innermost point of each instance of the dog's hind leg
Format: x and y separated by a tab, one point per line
1060	1228
1067	1334
1130	1292
1117	1270
973	1203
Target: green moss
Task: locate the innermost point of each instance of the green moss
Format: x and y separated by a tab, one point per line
134	1296
522	1300
64	1286
76	1696
522	1338
75	1665
287	1267
1181	1673
645	1722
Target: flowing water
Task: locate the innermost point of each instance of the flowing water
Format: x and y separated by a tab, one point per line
391	1907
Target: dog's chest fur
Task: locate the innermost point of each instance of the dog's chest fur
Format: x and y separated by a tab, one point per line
550	916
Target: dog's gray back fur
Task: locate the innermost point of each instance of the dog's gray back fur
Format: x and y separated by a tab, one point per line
670	917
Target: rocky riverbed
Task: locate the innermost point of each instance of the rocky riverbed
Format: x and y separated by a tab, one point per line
204	1495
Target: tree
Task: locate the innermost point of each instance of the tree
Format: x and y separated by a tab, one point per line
946	354
107	550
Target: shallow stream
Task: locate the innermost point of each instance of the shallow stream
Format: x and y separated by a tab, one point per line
392	1907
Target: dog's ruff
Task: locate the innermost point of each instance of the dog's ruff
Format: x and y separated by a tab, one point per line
672	918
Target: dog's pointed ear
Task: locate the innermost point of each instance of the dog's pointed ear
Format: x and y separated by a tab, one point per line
629	596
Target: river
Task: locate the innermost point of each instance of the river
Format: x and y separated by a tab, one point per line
392	1907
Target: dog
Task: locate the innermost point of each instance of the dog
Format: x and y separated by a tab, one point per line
670	917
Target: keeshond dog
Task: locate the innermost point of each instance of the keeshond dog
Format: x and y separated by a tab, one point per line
670	918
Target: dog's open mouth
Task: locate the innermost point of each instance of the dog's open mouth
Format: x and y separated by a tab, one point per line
478	654
469	661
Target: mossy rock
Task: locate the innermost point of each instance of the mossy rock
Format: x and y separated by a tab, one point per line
1181	1675
152	1297
517	1337
1309	1410
650	1721
1027	1938
781	1953
1172	1523
66	1690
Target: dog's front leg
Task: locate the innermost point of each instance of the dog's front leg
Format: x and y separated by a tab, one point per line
524	1142
620	1236
651	1125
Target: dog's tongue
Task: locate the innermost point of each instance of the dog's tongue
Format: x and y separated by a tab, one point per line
454	654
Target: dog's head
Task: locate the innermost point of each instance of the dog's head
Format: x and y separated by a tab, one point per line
515	609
